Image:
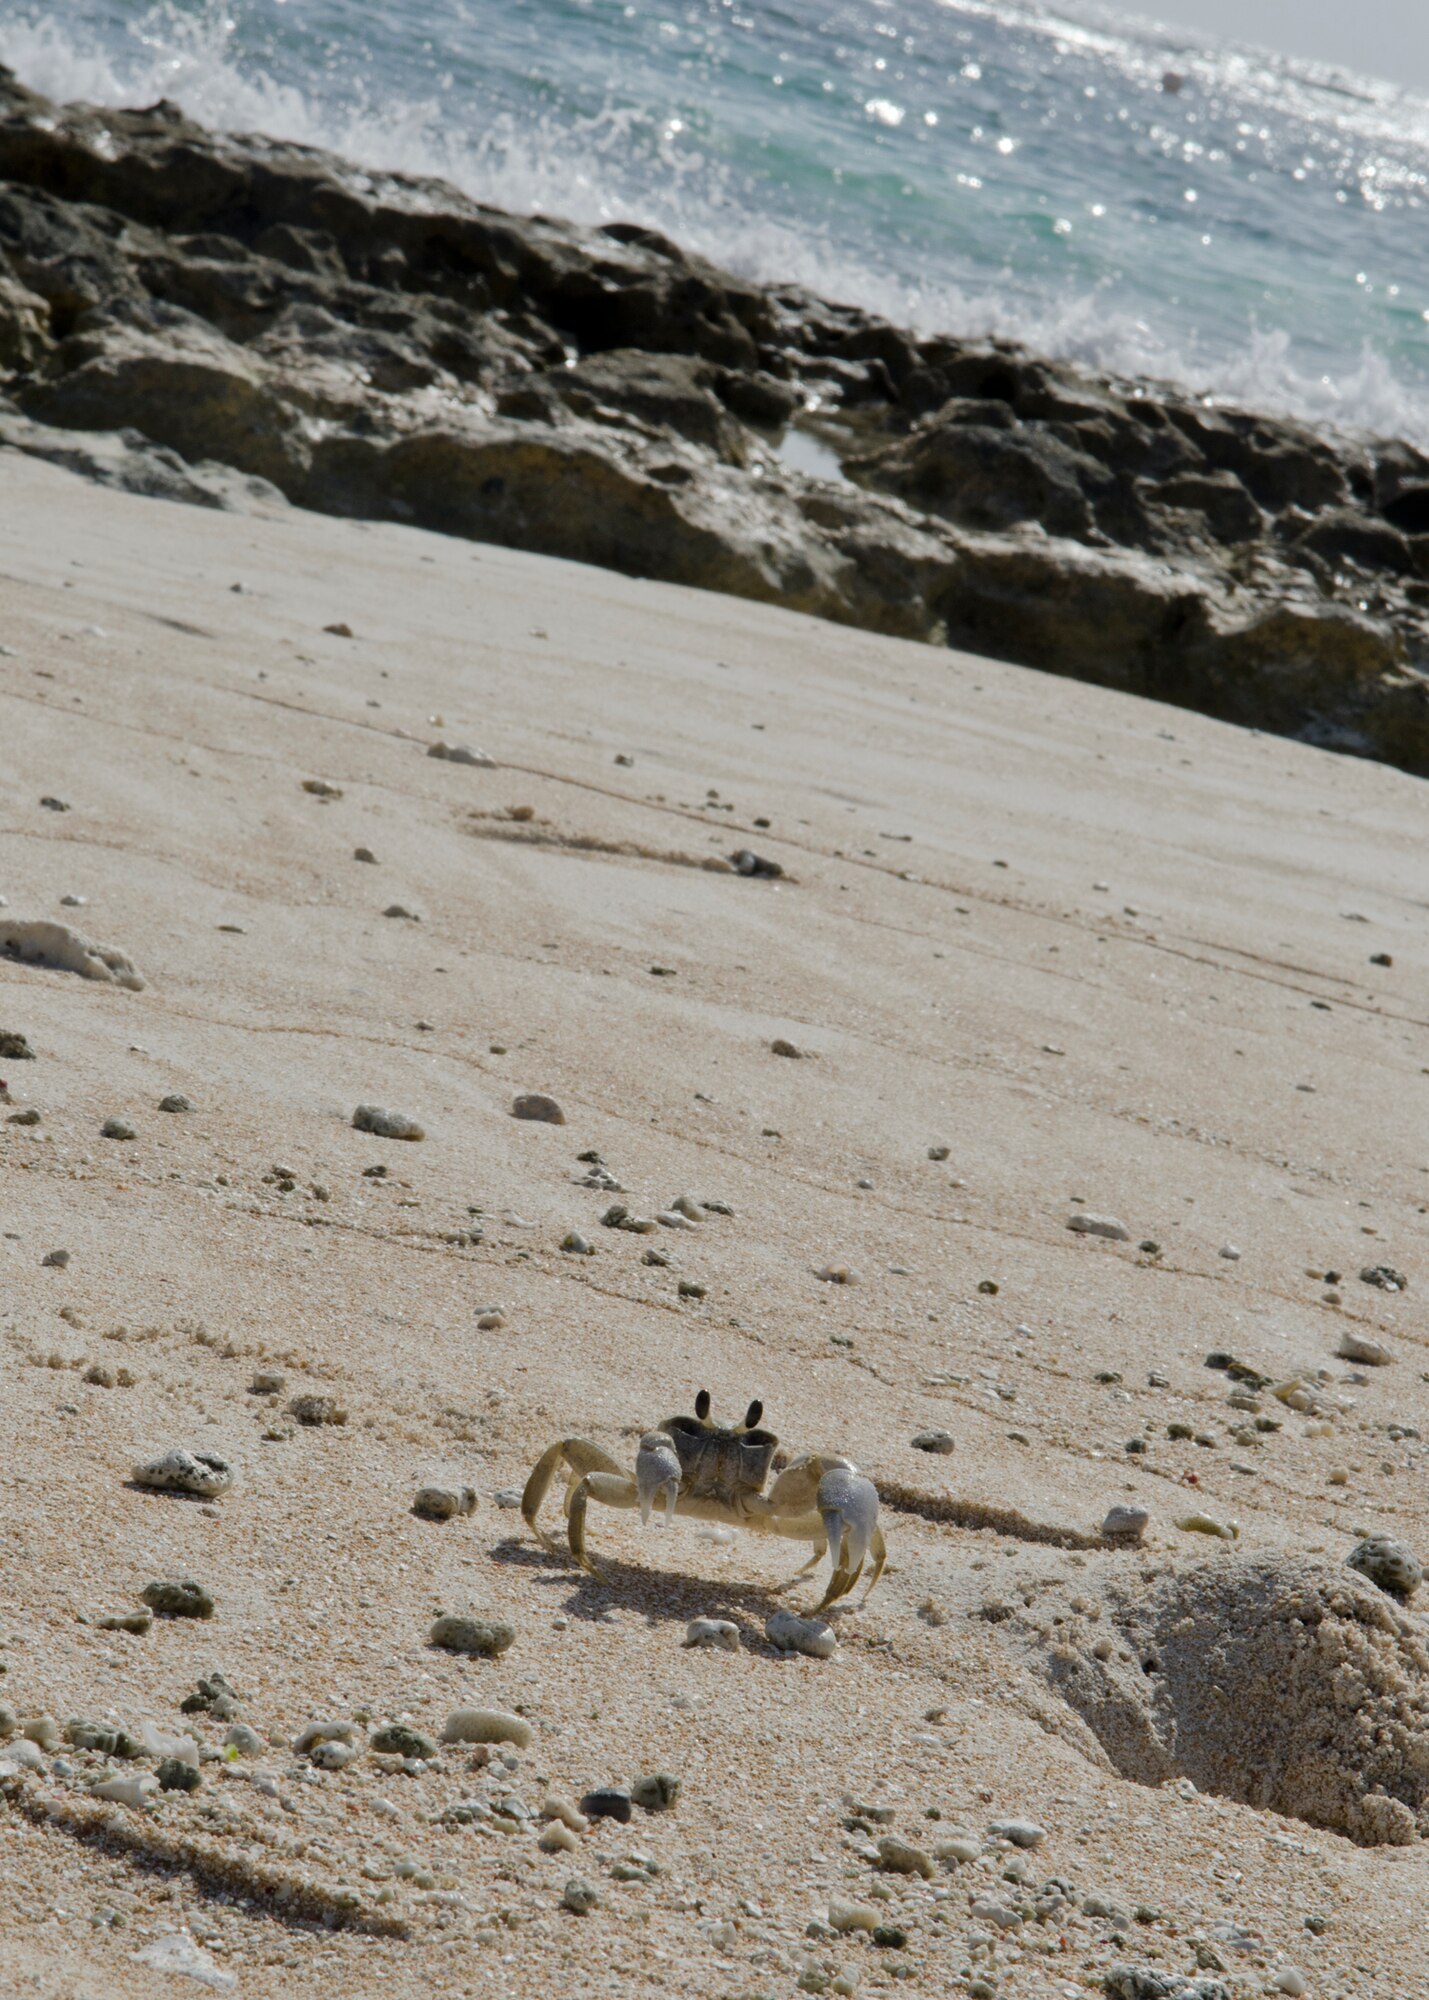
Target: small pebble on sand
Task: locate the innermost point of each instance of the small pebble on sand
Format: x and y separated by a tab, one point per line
486	1725
579	1897
386	1124
1388	1563
201	1473
789	1633
176	1101
315	1410
116	1128
720	1634
1084	1224
939	1442
181	1598
444	1503
464	1632
1125	1523
540	1109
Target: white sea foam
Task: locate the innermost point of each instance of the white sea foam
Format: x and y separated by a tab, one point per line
622	160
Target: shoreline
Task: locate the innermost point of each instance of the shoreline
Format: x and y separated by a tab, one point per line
200	313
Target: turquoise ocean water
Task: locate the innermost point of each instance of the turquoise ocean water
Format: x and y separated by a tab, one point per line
968	165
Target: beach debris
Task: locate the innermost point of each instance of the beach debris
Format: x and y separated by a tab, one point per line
576	1245
1206	1524
386	1124
138	1790
1363	1349
315	1410
55	1260
1125	1523
744	861
201	1473
607	1802
837	1274
789	1633
534	1105
579	1897
1084	1224
364	854
782	1046
14	1047
1021	1832
1384	1277
175	1102
177	1774
399	1739
486	1725
116	1128
459	753
901	1857
657	1793
322	788
179	1598
465	1632
938	1442
444	1503
1388	1563
718	1634
401	911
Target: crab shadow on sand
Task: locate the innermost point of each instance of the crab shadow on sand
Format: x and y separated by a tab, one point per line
663	1596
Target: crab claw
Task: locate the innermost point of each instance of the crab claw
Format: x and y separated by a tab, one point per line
849	1505
657	1475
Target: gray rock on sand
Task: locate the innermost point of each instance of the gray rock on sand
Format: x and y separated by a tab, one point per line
1361	1348
792	1634
464	1632
116	1128
1389	1564
1021	1832
176	1101
459	753
399	1739
534	1105
178	1599
901	1857
14	1047
42	943
719	1634
386	1124
486	1725
657	1793
1125	1523
579	1897
315	1410
1100	1225
202	1473
444	1503
940	1442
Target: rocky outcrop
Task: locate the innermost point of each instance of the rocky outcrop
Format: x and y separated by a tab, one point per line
243	322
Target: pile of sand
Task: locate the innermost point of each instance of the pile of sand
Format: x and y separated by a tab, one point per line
1275	1680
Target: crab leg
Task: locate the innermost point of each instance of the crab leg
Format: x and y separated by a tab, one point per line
580	1457
612	1489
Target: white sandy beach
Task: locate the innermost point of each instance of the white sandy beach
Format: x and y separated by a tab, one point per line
1113	956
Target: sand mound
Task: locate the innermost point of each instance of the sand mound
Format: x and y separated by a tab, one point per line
1275	1680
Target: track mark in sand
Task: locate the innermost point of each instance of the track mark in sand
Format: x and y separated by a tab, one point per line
942	1507
271	1888
526	833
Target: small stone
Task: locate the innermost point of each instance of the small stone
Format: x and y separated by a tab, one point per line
1379	958
939	1442
243	1741
488	1322
1359	1347
670	1218
486	1725
557	1839
686	1205
386	1124
267	1382
1389	1564
54	805
202	1473
334	1756
444	1503
889	1937
176	1774
962	1848
558	1808
178	1599
321	788
939	1152
656	1794
137	1791
901	1857
399	1739
780	1046
402	913
689	1289
137	1623
1100	1225
363	854
339	630
14	1047
720	1634
1021	1832
9	1722
459	753
579	1897
746	862
607	1802
1206	1524
575	1245
116	1128
532	1104
1230	1253
29	1116
56	1260
176	1101
1383	1276
837	1274
21	1756
792	1634
314	1734
1290	1979
1125	1523
43	1731
846	1917
315	1410
463	1632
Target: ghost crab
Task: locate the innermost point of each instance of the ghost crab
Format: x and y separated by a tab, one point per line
716	1472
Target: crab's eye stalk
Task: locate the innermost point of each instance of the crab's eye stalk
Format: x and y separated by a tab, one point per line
702	1405
753	1414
